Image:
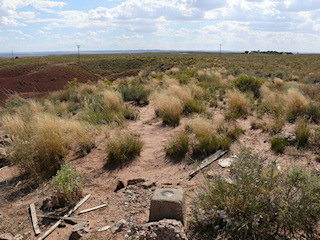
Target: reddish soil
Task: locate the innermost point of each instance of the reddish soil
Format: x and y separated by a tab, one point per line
39	79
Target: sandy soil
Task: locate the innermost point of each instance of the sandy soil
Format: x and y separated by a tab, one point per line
17	191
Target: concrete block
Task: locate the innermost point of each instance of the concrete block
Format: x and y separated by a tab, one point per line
168	203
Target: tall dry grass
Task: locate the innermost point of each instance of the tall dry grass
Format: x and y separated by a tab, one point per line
169	108
237	104
296	104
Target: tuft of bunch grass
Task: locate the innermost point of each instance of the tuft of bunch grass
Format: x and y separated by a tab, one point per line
237	104
122	148
42	141
68	184
278	144
259	202
302	132
169	108
178	145
296	104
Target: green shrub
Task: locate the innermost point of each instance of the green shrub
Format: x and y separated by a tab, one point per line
302	132
206	145
130	113
68	183
134	91
278	144
260	203
247	83
123	148
178	145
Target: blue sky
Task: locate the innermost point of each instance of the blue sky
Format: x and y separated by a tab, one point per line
239	25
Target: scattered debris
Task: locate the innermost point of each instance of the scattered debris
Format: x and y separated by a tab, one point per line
47	233
79	230
164	229
206	162
120	185
34	219
92	209
103	228
118	226
135	181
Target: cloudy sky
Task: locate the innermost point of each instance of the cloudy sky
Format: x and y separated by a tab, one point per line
239	25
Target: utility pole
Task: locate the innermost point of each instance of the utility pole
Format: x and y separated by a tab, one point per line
12	54
220	49
78	52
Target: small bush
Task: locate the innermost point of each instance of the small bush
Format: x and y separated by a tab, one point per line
302	132
260	203
278	144
123	148
237	104
178	145
68	183
134	91
248	84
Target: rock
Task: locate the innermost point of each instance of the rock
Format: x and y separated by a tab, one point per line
79	230
164	229
289	137
150	183
120	185
6	236
226	162
135	181
18	237
118	226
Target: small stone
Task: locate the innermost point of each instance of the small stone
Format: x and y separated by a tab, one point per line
150	183
79	230
6	236
118	226
226	162
120	185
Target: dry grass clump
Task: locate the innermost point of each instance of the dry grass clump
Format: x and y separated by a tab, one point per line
237	104
206	139
181	92
169	108
174	70
296	104
178	145
303	133
122	148
278	82
42	141
112	100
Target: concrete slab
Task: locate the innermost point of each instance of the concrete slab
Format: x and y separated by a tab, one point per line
168	203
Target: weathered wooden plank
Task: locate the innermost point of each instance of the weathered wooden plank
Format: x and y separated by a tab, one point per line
34	219
206	162
92	209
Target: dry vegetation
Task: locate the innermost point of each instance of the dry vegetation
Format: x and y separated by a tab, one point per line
204	100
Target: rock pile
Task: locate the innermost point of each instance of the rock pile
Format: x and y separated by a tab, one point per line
165	229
